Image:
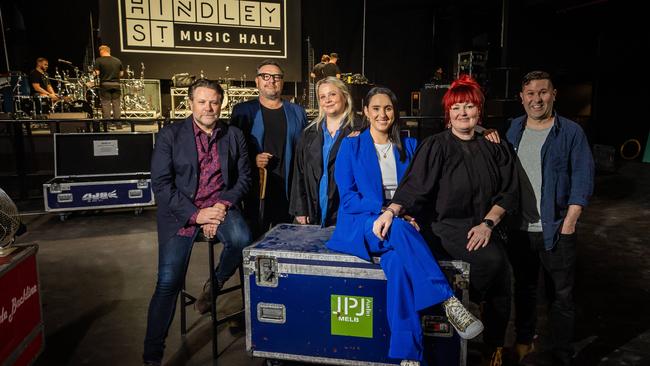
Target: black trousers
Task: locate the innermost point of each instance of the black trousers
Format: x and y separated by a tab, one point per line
110	98
490	281
272	211
527	252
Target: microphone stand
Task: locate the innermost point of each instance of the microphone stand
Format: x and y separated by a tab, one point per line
4	40
18	111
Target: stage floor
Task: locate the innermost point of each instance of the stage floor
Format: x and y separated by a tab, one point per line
98	269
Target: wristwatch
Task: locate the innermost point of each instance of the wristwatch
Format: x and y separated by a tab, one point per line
489	223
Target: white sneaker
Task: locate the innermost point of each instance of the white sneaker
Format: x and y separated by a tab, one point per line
409	363
466	324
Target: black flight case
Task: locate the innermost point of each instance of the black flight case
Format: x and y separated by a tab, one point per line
100	171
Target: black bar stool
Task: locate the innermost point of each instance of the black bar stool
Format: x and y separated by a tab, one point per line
187	300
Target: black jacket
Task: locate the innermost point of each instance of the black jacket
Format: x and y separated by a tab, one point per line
308	170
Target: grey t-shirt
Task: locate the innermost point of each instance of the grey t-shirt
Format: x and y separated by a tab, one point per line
530	158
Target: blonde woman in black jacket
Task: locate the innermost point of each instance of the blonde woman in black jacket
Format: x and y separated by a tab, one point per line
314	197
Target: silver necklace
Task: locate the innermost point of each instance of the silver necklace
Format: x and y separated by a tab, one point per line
384	152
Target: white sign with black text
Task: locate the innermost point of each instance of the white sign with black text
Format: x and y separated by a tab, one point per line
205	27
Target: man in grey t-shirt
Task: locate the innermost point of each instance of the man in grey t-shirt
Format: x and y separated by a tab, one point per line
556	179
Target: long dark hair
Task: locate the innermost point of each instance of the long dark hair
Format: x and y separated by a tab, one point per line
394	135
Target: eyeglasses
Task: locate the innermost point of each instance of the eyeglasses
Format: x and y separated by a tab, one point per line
267	77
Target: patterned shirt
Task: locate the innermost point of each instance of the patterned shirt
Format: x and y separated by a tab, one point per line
210	179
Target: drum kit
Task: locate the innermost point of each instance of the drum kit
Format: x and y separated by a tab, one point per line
15	93
77	92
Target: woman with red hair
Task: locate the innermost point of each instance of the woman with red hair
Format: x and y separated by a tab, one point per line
463	185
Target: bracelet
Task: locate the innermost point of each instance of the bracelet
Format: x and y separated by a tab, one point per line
409	218
390	210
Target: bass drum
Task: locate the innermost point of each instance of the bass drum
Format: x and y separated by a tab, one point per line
24	103
42	105
73	106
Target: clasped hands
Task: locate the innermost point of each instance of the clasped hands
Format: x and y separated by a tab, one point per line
210	218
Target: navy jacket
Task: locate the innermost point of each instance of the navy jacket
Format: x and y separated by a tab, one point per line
567	172
358	178
248	117
175	172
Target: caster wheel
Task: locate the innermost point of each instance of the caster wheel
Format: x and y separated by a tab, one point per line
270	362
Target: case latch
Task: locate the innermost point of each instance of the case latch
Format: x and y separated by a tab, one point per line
266	271
55	188
142	184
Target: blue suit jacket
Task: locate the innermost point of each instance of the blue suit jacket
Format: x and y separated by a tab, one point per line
248	117
358	178
175	172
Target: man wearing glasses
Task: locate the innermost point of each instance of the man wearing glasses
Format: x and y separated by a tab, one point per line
273	128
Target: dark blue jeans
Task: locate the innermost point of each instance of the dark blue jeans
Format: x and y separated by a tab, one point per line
173	257
527	252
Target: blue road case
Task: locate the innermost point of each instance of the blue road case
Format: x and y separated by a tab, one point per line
307	303
100	171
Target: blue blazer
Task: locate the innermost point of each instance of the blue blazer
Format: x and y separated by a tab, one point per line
358	178
175	172
248	117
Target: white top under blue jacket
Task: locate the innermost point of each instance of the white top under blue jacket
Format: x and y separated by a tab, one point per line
358	178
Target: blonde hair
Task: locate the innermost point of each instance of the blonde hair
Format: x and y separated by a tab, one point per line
348	116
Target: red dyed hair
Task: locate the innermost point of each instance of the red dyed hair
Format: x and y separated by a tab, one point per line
463	90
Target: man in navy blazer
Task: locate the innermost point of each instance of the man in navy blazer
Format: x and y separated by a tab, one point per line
200	172
272	127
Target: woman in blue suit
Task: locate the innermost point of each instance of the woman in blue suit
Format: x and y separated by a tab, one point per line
368	169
